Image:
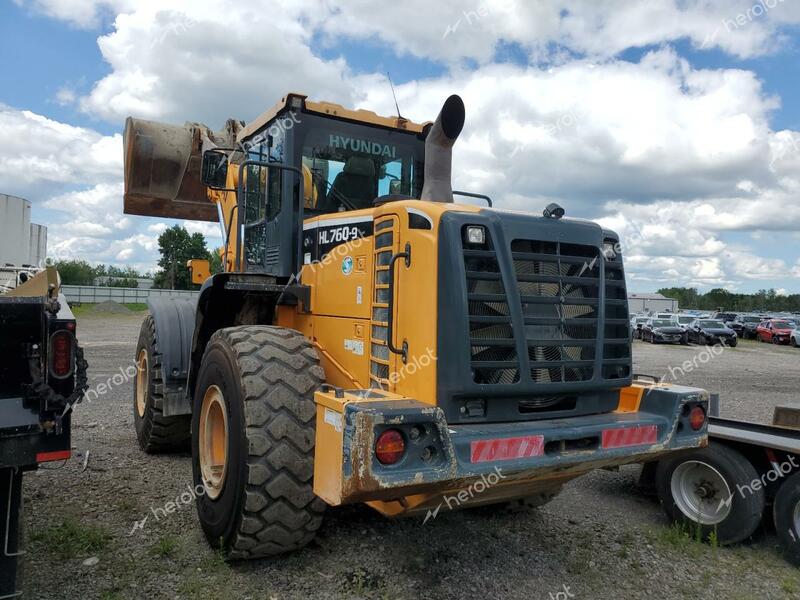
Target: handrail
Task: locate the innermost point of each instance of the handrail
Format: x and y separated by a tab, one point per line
472	195
390	304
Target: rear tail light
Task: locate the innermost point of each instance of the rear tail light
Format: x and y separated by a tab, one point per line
697	418
390	447
61	359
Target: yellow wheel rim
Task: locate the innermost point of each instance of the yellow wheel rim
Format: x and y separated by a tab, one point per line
142	381
213	441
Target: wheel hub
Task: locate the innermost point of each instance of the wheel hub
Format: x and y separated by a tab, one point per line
213	441
142	381
701	493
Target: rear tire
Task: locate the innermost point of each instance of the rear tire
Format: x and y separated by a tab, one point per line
263	503
786	512
701	490
155	432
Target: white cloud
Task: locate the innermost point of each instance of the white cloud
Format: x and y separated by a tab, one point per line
673	157
35	150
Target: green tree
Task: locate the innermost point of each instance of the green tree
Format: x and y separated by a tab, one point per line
177	246
215	263
76	272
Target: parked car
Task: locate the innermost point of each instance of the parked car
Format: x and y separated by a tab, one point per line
636	327
745	326
683	321
777	331
663	330
795	338
712	332
725	317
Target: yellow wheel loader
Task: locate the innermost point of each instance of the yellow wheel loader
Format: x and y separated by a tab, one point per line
371	340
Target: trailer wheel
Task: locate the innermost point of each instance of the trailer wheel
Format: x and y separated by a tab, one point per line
786	512
155	432
253	436
711	488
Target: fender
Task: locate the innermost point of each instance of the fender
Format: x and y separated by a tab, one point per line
175	323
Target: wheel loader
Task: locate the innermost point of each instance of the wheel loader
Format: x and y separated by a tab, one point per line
373	341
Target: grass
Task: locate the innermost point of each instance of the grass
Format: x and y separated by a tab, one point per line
71	538
86	309
685	539
165	547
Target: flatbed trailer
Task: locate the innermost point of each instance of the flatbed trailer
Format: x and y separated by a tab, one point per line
749	471
42	376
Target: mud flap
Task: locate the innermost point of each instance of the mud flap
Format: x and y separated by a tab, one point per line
175	320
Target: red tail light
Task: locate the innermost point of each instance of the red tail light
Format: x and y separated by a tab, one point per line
61	344
390	447
697	418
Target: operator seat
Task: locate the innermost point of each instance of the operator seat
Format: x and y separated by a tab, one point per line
356	183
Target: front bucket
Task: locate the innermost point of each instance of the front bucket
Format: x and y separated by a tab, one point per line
163	168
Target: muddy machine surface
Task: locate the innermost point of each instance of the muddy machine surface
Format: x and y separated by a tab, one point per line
371	340
42	376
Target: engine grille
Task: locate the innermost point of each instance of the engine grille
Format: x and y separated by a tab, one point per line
566	319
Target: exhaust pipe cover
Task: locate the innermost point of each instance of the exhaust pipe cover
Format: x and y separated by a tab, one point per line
438	186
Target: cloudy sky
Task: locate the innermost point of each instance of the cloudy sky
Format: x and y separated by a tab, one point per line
674	122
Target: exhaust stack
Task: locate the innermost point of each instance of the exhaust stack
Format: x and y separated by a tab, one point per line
163	168
438	186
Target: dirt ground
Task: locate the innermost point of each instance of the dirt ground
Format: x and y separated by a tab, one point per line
601	538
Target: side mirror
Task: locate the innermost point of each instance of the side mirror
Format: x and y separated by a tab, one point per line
215	169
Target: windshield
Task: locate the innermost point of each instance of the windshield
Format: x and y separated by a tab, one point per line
348	166
712	324
685	320
662	323
783	325
751	320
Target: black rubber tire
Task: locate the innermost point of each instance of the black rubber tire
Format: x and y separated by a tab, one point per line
155	432
268	376
685	339
733	343
746	508
787	500
794	343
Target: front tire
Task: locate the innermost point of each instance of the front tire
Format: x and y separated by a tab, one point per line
786	512
253	450
711	489
155	432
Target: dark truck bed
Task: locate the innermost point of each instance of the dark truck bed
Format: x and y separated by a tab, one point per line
42	375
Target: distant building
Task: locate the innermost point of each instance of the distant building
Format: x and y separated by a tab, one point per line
21	242
651	303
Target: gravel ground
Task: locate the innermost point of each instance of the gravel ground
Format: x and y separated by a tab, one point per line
601	538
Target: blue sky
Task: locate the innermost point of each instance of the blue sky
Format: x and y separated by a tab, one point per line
688	147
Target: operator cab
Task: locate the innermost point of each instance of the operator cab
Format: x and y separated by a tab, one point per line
348	159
